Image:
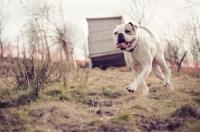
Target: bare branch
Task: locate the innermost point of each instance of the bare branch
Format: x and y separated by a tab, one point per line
141	11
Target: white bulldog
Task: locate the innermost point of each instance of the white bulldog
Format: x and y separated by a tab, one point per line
142	54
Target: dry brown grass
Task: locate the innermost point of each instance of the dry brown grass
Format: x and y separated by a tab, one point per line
105	105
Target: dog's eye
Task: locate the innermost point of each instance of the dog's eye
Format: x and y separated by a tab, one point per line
115	33
127	31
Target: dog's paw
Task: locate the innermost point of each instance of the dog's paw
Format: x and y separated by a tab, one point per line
130	90
132	87
166	83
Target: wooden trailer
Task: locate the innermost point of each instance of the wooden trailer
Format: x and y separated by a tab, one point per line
102	50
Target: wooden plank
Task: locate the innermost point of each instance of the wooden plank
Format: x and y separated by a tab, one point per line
96	23
98	36
101	49
90	63
103	18
105	53
102	46
91	32
101	26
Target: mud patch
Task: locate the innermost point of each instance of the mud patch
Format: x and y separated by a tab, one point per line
140	108
162	97
92	94
174	121
152	124
107	104
110	94
197	100
130	98
154	89
92	103
108	113
10	122
4	104
187	111
193	93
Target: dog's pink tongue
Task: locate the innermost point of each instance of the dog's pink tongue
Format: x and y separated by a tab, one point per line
121	45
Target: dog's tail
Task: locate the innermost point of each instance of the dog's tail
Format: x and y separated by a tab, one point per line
150	33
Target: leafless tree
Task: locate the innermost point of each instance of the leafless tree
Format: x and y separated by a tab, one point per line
38	26
184	40
48	18
18	40
193	3
4	17
32	38
193	29
175	41
140	11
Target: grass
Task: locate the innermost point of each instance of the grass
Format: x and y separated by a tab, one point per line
103	104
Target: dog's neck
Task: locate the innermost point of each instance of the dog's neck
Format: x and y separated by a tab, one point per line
132	49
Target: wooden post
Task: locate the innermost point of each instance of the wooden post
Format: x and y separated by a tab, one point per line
90	63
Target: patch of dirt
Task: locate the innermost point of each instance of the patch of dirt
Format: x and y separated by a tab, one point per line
108	113
111	126
187	111
92	103
197	100
111	94
193	93
92	93
171	123
4	104
108	104
61	116
165	125
9	122
154	89
130	98
161	96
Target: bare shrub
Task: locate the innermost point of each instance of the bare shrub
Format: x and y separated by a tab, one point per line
29	78
26	74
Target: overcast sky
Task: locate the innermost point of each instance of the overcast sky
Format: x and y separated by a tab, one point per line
76	12
168	11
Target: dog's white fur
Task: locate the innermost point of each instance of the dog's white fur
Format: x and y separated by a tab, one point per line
148	55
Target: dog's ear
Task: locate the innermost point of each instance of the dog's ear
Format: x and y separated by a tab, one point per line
134	26
131	23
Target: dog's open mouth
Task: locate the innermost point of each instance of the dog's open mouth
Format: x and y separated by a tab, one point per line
125	45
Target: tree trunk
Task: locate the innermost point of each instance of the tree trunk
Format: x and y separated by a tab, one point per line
60	50
48	52
179	66
65	48
2	58
68	55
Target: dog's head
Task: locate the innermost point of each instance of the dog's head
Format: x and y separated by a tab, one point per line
125	36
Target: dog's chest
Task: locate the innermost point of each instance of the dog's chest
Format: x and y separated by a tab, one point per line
130	58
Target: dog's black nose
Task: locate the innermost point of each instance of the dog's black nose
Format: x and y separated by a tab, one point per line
120	38
120	35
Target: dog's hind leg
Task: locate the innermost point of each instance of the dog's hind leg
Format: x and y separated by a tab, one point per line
161	62
157	71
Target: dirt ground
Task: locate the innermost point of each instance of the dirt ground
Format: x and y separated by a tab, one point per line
104	105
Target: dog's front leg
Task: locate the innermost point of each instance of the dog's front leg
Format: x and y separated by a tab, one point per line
140	79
